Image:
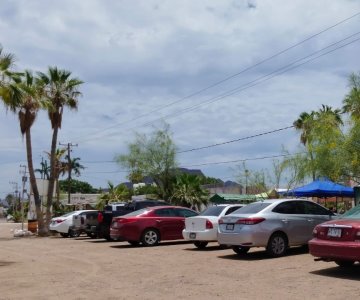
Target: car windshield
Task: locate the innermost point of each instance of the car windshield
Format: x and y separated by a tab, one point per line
212	211
251	208
353	213
138	212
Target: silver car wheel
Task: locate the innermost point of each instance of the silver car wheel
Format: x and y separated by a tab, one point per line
277	245
150	237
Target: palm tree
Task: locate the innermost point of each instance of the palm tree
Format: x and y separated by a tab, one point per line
74	165
331	116
351	103
115	194
188	191
27	112
44	170
304	124
9	92
60	90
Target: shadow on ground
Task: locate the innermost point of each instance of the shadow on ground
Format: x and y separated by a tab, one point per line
6	263
161	244
207	248
350	273
261	254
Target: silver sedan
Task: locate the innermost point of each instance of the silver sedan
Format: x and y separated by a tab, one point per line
274	224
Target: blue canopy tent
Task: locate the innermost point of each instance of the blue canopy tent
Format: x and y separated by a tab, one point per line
322	188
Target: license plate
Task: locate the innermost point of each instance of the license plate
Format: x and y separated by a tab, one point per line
192	235
229	226
334	232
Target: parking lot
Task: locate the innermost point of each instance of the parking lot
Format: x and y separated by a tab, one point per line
82	268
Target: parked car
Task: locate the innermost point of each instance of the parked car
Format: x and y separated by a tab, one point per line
273	224
338	240
151	225
86	222
64	224
204	227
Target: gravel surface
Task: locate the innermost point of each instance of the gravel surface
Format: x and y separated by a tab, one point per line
82	268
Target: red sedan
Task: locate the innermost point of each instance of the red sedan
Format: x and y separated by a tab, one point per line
150	225
338	240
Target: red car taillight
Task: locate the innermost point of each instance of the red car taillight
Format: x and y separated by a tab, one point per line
209	225
59	221
250	221
100	217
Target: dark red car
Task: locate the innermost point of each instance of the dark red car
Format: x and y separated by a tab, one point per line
150	225
338	240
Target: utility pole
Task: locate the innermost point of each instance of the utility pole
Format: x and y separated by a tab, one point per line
16	189
69	145
24	179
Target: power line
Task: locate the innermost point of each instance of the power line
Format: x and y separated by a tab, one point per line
236	140
231	76
291	66
257	81
241	160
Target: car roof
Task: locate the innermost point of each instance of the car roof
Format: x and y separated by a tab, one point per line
281	200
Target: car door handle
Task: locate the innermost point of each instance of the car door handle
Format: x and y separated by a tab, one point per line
310	220
159	221
285	220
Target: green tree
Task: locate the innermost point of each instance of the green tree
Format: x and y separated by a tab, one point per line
27	112
253	181
60	90
115	194
305	124
188	191
351	145
9	91
153	156
77	186
44	170
351	103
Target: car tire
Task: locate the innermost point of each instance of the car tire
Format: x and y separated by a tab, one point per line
200	245
344	263
277	245
150	237
134	243
74	233
240	250
108	238
64	235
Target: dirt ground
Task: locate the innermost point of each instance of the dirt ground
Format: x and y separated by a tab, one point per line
82	268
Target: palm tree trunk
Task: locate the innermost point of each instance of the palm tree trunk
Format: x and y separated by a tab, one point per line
52	176
42	229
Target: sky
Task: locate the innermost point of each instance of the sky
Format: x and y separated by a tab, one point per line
209	69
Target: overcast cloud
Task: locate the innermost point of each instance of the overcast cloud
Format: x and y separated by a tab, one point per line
138	56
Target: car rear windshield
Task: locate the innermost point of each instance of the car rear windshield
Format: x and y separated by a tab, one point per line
353	213
251	208
212	211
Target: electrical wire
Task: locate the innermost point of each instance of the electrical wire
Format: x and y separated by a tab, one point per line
236	140
231	76
255	82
